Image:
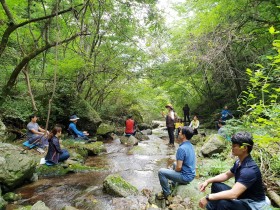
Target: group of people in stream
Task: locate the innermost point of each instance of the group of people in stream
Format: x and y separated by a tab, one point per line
43	139
246	194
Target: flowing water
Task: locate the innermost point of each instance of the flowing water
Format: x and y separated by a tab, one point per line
138	169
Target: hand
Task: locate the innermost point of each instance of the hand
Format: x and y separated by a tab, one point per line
203	202
85	133
203	186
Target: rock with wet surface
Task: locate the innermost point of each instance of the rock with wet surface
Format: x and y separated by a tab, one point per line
115	185
129	141
104	129
15	167
214	144
141	136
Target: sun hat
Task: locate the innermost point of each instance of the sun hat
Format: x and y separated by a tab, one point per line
74	118
169	105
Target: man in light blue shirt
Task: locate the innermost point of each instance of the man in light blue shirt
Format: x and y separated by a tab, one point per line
184	169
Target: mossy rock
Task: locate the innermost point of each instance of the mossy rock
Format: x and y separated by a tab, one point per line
115	185
85	149
10	196
104	129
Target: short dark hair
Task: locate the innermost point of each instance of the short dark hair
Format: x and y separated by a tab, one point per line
187	131
243	139
32	116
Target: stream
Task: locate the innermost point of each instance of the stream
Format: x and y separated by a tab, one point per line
138	169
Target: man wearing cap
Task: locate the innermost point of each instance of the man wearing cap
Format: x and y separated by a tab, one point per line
74	131
170	123
247	193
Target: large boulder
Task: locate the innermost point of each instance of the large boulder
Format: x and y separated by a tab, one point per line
129	141
197	139
15	167
214	144
104	129
115	185
144	126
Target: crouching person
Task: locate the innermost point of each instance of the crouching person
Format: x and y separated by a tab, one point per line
55	153
184	169
247	193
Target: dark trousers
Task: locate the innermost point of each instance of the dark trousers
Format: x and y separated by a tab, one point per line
187	115
171	134
225	204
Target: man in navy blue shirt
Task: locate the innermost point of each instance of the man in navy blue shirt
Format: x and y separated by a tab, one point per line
184	169
247	193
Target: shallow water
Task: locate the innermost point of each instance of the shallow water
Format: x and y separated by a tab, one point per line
138	169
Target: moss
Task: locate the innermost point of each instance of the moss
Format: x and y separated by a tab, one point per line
59	169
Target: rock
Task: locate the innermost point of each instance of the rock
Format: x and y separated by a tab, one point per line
197	139
214	144
129	141
141	136
3	203
69	208
147	132
155	125
115	185
15	167
176	207
131	202
10	196
144	126
188	191
104	129
40	205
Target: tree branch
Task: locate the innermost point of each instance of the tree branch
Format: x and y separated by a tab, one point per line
26	59
12	27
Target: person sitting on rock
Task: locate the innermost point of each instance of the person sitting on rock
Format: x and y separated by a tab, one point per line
183	170
130	126
247	193
178	125
72	129
194	125
36	134
55	153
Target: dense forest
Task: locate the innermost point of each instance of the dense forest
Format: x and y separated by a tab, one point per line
105	59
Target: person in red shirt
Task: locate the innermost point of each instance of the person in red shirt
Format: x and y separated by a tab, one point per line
130	126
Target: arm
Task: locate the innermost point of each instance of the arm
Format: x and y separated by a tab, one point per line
197	125
179	164
233	193
219	178
172	115
37	132
57	145
75	130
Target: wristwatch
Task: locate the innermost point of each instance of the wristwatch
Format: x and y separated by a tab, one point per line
207	197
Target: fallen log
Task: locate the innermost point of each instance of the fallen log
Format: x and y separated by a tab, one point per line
274	197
